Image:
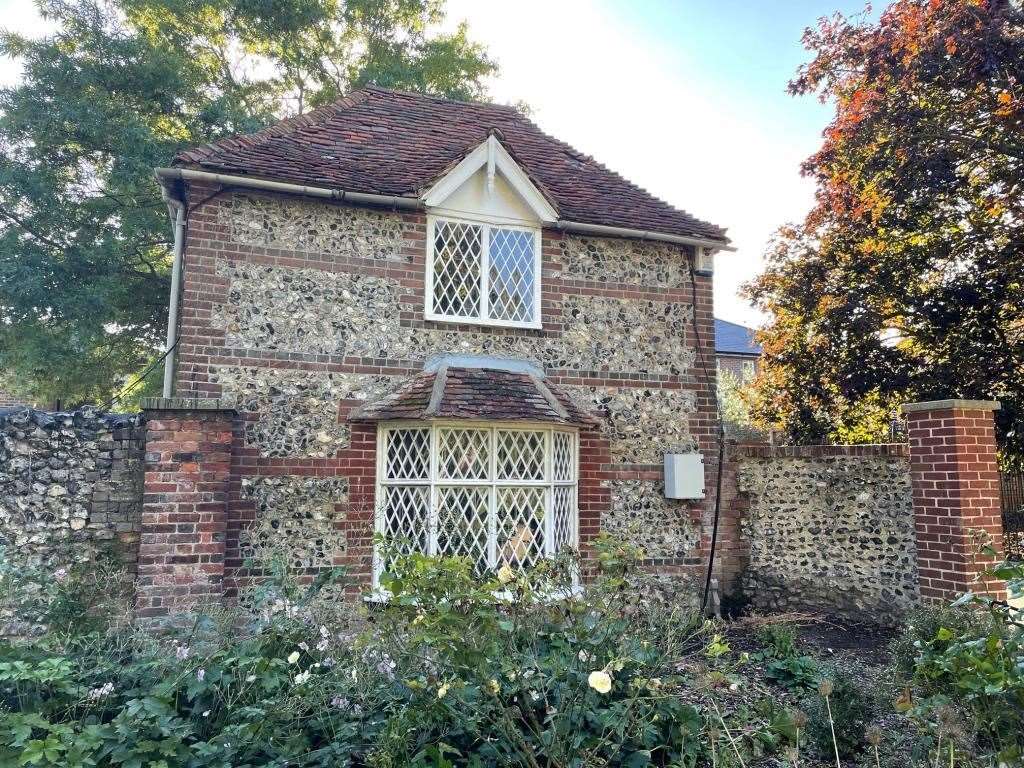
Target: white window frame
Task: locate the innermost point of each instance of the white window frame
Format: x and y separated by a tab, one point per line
434	481
486	225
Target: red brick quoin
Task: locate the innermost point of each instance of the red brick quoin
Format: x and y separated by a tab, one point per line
184	510
956	495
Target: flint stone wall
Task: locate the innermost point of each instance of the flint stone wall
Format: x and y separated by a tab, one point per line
830	528
70	485
294	311
310	311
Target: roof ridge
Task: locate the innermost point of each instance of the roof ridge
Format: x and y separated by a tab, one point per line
437	97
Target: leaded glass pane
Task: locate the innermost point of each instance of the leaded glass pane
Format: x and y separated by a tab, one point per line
564	512
407	454
511	278
463	454
462	522
457	251
520	455
562	456
520	525
404	517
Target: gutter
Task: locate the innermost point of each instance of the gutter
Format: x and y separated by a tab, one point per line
415	203
600	229
188	174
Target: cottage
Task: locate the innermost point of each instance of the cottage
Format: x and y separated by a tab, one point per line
430	320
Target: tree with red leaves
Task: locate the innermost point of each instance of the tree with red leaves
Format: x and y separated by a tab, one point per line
906	280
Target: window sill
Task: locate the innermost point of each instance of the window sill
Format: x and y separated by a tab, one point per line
382	597
535	326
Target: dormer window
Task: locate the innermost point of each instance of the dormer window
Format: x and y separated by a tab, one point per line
484	242
483	273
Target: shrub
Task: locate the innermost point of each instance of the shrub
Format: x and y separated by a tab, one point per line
452	671
976	660
778	639
921	625
794	672
852	703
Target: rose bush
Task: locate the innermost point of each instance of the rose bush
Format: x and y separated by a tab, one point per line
455	670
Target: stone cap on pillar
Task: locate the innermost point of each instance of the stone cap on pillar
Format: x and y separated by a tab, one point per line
187	404
952	405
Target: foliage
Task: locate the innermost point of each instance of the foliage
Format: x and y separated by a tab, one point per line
980	664
851	705
921	625
778	639
795	672
115	91
453	671
733	398
462	671
903	282
786	666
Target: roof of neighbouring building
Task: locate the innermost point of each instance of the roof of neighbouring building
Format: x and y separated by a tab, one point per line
734	339
386	142
485	394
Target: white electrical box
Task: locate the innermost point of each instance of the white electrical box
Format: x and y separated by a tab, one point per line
684	476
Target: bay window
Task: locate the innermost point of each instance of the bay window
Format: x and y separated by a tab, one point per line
497	494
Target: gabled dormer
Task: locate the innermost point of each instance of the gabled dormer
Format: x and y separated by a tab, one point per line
484	220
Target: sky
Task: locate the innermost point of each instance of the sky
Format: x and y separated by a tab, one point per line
686	98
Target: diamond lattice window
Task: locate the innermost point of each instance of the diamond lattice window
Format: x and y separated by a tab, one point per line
497	495
484	274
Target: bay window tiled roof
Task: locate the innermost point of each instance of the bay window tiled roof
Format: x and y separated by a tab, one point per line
481	394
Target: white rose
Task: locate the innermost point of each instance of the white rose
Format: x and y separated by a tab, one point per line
293	657
600	681
505	574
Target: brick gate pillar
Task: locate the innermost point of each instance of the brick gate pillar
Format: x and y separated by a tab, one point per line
955	481
184	505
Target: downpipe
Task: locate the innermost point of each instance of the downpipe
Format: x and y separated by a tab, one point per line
170	346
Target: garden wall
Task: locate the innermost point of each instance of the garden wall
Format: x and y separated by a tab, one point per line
848	530
827	528
70	485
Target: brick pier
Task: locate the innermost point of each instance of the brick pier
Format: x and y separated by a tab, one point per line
184	510
955	482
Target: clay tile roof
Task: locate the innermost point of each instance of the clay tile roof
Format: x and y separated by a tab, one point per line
483	394
397	143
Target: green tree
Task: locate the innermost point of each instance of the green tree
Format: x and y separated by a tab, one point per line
905	280
733	398
116	90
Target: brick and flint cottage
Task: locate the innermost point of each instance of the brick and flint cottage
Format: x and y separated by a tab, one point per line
428	319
